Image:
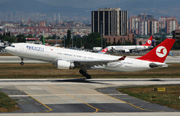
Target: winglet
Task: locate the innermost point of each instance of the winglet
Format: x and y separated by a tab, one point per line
122	58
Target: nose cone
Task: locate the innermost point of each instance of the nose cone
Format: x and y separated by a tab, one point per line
8	49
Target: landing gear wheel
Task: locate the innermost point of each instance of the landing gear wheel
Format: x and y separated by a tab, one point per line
88	76
22	63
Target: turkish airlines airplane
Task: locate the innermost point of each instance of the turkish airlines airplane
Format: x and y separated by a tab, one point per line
68	59
130	48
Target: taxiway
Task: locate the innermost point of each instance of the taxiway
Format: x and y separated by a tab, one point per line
82	97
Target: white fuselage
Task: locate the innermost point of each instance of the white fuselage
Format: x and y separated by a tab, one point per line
52	54
129	48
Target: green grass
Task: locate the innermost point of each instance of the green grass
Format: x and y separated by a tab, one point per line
169	98
7	104
50	71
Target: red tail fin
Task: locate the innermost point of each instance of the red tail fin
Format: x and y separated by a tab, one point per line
149	42
104	50
160	52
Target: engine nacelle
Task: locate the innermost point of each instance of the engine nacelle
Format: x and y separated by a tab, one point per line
126	51
61	64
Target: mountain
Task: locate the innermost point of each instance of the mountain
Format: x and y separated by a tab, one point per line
30	6
154	7
134	7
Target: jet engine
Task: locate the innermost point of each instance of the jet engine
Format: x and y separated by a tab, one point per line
126	51
61	64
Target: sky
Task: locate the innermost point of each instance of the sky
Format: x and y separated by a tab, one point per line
82	3
98	3
92	3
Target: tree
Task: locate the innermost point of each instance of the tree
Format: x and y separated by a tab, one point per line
21	38
109	43
118	43
114	42
127	42
8	34
92	40
78	42
68	40
29	36
10	39
177	44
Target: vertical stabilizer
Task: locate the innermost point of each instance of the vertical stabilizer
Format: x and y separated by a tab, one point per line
149	42
160	52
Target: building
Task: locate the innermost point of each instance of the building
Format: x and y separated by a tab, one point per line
145	16
111	22
143	29
169	24
153	27
162	22
176	34
134	23
143	24
42	24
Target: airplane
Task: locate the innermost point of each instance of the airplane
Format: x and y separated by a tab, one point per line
130	48
64	58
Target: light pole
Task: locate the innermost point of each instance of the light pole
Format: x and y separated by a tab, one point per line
102	34
64	43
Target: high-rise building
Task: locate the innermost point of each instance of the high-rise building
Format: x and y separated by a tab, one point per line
134	23
143	29
162	22
153	27
143	24
111	21
169	24
145	16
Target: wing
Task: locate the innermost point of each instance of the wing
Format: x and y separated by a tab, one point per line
89	64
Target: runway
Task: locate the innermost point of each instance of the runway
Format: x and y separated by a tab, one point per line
15	59
67	97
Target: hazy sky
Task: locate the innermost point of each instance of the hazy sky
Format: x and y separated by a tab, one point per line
98	3
95	3
88	3
82	3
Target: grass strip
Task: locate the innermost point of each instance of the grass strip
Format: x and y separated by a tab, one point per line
7	104
50	71
169	97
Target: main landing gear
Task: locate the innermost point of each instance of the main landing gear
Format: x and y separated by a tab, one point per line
84	73
22	63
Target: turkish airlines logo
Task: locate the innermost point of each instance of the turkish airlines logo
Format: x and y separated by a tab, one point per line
161	51
105	50
149	41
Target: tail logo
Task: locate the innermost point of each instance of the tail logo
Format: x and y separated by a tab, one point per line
105	50
161	51
149	41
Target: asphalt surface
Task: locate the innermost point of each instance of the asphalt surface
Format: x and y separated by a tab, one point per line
67	96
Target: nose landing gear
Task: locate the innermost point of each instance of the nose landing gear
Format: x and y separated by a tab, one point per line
22	63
